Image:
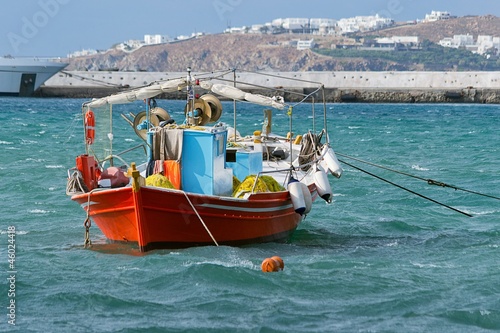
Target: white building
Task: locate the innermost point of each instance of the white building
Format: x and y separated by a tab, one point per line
447	42
234	30
457	41
130	45
295	23
277	23
363	23
305	44
156	39
481	46
385	41
463	40
322	26
257	28
82	53
406	39
193	35
317	23
134	43
487	43
437	16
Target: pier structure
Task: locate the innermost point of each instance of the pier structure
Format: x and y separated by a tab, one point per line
369	87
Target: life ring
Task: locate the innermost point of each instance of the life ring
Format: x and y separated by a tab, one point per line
89	127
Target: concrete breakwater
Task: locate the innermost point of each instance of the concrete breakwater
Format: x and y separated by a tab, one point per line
347	87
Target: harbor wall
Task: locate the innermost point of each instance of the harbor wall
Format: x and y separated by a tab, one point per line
369	87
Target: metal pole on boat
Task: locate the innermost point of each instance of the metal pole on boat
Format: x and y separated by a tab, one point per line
110	133
190	98
234	106
325	126
149	135
290	113
313	114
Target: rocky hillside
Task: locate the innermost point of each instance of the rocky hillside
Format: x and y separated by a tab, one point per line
274	52
214	52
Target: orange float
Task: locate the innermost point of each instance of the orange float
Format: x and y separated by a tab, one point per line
273	264
269	265
280	262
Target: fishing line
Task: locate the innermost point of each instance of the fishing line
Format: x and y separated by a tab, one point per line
428	181
406	189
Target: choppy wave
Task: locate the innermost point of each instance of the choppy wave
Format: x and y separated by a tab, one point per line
28	142
419	168
40	211
55	166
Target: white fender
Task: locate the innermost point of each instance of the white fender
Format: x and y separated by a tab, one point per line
297	196
307	198
331	161
322	184
232	135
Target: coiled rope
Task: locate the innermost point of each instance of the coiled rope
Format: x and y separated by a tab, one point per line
75	184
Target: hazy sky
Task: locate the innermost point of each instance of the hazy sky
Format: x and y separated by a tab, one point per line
58	27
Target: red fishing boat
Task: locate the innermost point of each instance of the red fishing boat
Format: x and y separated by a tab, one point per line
199	184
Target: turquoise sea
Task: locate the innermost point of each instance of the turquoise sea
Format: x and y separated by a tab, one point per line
378	259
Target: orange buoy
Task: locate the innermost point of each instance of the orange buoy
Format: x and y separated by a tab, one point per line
269	265
272	264
280	262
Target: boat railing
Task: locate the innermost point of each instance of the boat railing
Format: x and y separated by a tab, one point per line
119	157
290	169
266	172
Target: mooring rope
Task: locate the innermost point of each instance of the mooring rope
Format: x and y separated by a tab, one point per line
406	189
427	180
201	220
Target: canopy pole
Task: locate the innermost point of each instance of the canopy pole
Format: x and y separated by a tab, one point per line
234	106
314	114
149	135
290	113
325	122
190	98
110	133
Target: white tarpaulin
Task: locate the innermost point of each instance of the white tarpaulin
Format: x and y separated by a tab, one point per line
178	84
173	85
264	100
238	94
139	94
228	91
148	92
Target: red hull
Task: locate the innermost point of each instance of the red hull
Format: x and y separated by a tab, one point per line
157	218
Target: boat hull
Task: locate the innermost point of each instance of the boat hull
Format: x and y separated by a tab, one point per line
157	218
22	77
